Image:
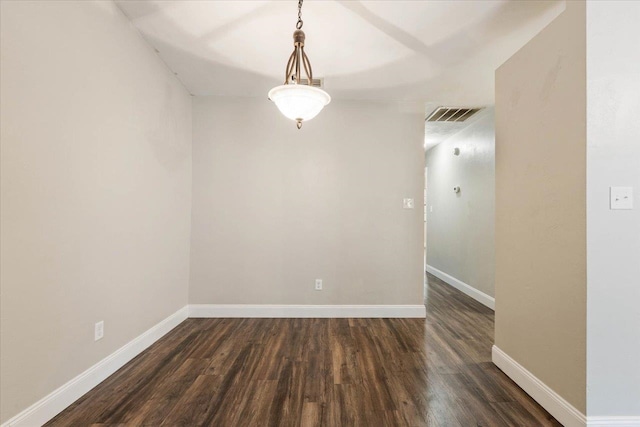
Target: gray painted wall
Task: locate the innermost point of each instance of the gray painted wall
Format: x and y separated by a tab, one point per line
460	229
613	236
275	208
95	188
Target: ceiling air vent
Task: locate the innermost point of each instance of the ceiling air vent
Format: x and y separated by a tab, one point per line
451	114
314	82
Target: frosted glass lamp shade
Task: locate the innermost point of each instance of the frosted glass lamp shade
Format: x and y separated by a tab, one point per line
299	102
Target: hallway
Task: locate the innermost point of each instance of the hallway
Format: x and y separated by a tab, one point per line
334	372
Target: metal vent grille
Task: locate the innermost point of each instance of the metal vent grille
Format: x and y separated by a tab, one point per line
451	114
314	82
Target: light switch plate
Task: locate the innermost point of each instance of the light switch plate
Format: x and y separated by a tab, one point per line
407	203
621	197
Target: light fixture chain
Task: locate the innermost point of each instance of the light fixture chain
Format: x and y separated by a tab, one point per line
299	23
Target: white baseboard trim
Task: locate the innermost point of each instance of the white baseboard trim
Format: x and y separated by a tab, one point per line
613	421
306	311
477	295
562	410
56	401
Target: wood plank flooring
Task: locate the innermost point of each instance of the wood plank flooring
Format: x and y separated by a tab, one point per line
318	372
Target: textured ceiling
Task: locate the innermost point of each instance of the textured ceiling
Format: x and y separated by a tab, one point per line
442	52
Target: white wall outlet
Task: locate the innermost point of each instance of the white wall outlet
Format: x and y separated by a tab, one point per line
407	203
621	197
99	330
318	284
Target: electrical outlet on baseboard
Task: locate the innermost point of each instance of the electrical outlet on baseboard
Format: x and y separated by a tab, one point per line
99	330
318	284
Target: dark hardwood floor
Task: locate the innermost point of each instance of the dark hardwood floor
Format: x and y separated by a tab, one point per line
311	372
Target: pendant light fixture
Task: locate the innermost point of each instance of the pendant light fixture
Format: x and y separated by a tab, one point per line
297	99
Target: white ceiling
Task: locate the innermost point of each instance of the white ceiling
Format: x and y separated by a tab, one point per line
441	52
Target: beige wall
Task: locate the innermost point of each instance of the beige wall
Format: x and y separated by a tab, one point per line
274	207
613	236
95	188
460	228
541	206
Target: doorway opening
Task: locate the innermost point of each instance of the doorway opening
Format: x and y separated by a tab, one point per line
424	234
